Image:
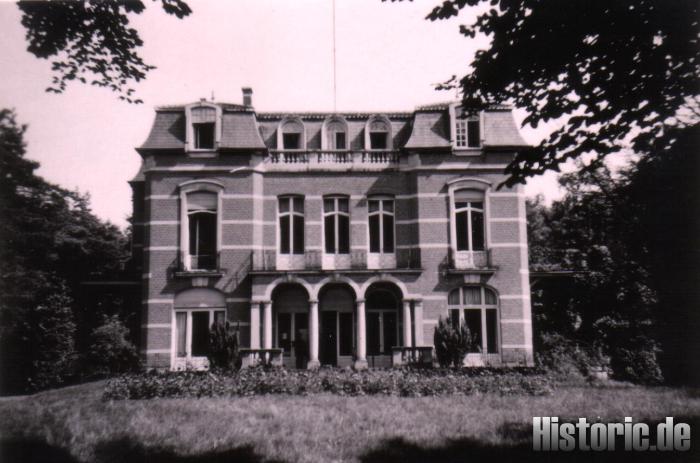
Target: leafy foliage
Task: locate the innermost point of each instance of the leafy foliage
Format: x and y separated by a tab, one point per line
451	345
91	41
49	243
618	74
260	381
110	350
223	347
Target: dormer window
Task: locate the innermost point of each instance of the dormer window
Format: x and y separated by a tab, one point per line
378	133
334	136
291	134
466	128
203	126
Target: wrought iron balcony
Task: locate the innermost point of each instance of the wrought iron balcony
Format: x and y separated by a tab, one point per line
333	160
198	265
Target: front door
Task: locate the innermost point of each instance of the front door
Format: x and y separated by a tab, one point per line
328	344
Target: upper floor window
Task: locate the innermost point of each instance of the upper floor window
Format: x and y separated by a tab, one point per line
291	135
378	133
336	224
469	220
291	224
466	128
335	134
381	224
202	228
203	126
477	308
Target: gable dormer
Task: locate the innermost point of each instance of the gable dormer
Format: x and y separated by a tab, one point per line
203	127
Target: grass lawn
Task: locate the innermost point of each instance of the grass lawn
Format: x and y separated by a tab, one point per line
74	424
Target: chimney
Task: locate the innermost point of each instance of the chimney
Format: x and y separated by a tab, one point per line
247	96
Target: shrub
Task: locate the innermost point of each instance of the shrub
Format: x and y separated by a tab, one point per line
110	351
223	347
451	345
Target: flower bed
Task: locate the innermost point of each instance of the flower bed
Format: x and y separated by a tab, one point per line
260	381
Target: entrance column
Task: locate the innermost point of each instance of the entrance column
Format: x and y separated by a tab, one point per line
418	322
255	325
407	323
313	335
361	361
267	325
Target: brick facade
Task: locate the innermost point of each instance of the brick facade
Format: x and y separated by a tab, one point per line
415	170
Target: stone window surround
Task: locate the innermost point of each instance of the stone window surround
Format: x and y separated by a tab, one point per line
193	186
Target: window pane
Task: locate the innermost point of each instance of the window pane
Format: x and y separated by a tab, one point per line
477	205
388	233
284	234
473	136
388	205
298	234
340	140
200	334
343	204
345	333
329	231
472	318
220	316
460	205
490	297
491	333
454	318
291	141
328	205
284	205
373	333
462	231
453	297
389	331
374	233
477	231
181	325
284	332
378	140
203	135
298	205
343	234
203	240
472	295
373	205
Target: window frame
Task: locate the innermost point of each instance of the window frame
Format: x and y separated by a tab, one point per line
187	188
468	183
189	311
483	308
291	213
329	137
469	210
191	143
459	127
388	132
336	213
280	133
381	212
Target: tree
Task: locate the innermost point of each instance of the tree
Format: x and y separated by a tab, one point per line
618	74
91	41
50	242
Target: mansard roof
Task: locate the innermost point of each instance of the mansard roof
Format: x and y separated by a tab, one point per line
242	127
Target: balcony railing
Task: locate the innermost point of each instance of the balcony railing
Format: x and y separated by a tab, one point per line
269	261
301	160
470	260
198	264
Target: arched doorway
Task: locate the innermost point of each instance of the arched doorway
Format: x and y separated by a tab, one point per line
290	307
195	311
336	325
384	323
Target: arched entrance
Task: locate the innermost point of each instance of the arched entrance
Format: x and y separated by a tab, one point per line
337	322
290	308
384	322
195	311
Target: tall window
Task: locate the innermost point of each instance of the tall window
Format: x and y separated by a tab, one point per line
192	330
467	133
379	134
477	308
381	225
202	226
291	225
469	220
336	224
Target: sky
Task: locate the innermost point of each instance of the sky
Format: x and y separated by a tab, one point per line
388	57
